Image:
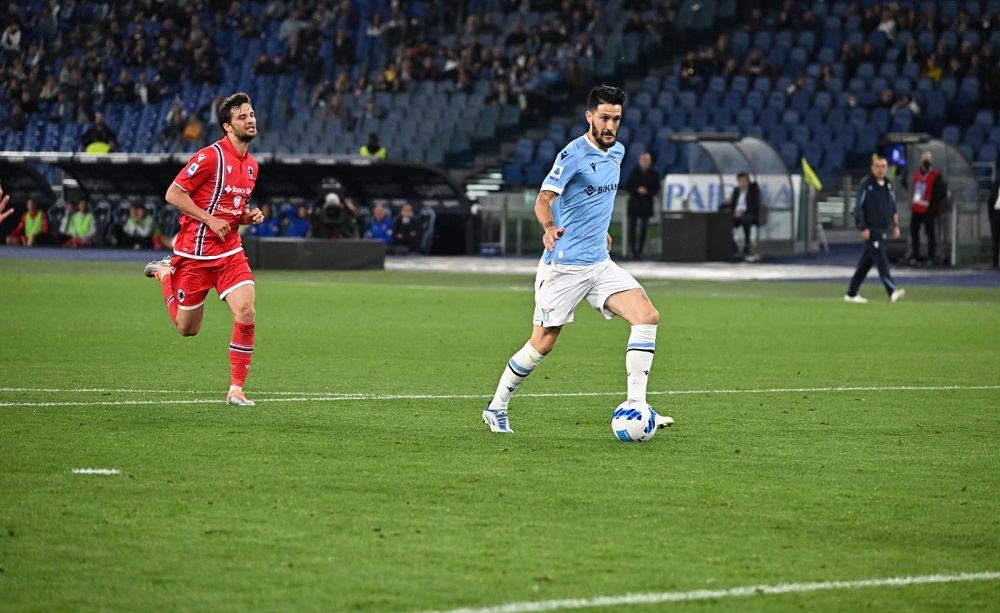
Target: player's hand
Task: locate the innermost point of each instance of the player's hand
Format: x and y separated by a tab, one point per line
219	226
865	235
4	199
552	234
895	232
253	216
609	242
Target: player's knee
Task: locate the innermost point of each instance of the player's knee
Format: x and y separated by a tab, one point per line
188	329
245	314
650	316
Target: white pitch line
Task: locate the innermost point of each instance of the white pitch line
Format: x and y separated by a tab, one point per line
318	397
96	471
737	592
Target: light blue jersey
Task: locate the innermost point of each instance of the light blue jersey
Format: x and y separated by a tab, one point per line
586	179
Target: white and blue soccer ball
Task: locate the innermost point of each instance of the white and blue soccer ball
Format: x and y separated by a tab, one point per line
634	422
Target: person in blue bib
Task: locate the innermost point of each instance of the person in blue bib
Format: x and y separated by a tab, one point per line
574	209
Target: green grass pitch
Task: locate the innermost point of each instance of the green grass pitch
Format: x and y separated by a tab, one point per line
816	441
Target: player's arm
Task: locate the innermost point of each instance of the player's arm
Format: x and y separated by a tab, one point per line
4	199
252	217
543	213
182	201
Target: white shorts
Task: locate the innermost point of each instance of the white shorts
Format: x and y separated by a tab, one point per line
559	288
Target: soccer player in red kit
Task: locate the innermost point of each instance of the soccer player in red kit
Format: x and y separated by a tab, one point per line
212	193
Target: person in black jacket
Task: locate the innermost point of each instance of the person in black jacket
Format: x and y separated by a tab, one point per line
642	185
993	207
745	204
875	216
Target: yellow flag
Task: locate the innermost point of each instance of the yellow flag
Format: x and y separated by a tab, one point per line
810	175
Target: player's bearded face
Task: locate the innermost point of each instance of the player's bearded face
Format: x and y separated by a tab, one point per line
244	123
604	124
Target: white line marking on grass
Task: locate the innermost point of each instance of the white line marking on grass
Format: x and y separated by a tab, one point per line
321	397
736	592
96	471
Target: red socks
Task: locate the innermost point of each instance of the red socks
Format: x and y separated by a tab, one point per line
240	352
168	296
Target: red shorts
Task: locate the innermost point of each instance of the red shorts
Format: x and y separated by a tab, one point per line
192	278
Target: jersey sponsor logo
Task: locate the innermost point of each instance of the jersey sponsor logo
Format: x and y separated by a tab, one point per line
193	168
229	169
556	172
239	190
601	189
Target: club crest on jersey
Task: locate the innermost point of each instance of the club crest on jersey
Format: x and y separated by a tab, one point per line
556	172
180	296
193	168
236	201
250	171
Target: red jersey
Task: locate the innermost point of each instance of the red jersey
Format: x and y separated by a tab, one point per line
220	181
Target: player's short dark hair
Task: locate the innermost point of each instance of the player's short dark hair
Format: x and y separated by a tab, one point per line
605	94
743	174
231	105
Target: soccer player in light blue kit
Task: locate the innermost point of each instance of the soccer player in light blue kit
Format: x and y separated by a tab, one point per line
574	207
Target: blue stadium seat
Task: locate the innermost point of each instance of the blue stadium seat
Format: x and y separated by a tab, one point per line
740	84
902	120
776	99
687	99
985	118
880	119
746	117
951	133
755	100
807	39
987	153
790	154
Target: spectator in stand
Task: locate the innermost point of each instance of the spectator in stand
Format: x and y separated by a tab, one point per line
299	226
344	51
849	58
268	228
756	65
176	122
78	226
885	99
99	138
18	119
336	109
380	225
137	231
62	109
194	130
33	229
932	70
50	90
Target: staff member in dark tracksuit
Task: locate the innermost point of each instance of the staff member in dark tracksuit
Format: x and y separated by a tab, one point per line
875	215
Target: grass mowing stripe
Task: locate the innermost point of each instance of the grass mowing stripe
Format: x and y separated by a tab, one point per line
736	592
316	397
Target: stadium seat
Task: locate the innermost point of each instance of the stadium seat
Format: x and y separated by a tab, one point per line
987	153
